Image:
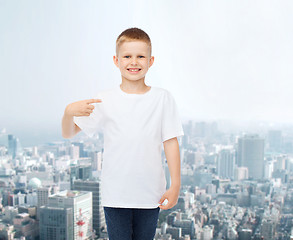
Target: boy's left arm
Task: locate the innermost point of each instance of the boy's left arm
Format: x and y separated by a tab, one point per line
171	148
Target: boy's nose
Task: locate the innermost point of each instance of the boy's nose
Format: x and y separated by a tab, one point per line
134	61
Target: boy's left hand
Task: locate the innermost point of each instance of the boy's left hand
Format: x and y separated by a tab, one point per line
172	195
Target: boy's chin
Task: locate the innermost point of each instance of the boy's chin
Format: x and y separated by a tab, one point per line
133	79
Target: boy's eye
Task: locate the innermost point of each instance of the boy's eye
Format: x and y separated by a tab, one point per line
138	56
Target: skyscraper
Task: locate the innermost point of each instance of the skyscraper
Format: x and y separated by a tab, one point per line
226	163
74	151
82	172
251	155
275	140
81	148
12	145
96	160
268	229
56	223
43	195
94	187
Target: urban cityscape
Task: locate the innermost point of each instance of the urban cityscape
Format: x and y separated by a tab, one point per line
235	184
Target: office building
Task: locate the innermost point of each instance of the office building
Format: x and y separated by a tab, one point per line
56	223
251	155
43	195
98	212
275	140
82	172
226	163
81	204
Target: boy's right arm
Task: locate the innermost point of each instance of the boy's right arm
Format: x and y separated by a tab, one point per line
80	108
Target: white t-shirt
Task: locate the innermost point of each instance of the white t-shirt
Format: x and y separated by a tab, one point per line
134	127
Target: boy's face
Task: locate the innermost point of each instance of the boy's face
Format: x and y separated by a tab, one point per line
133	60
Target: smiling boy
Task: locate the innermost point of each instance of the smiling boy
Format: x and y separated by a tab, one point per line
135	119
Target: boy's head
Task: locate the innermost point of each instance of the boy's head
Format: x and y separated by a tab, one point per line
133	34
133	54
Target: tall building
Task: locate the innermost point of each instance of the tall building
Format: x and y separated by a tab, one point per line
96	160
280	163
32	199
56	223
12	145
251	155
82	172
43	195
268	169
81	203
268	229
275	140
81	148
226	163
98	213
49	158
74	151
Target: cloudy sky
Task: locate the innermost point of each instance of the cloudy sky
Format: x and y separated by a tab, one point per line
220	59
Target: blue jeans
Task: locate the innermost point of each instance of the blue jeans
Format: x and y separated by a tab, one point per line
131	223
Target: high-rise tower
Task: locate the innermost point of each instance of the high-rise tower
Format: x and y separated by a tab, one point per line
251	155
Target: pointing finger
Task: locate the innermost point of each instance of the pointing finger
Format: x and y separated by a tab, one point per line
93	101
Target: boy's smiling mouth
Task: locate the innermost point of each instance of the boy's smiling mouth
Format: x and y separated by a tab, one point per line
134	70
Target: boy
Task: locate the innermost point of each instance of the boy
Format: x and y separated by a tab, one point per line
135	119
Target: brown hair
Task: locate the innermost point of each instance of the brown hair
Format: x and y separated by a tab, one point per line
131	34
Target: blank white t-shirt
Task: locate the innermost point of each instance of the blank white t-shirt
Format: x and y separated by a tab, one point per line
134	127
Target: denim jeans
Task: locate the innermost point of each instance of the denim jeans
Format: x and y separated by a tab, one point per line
131	223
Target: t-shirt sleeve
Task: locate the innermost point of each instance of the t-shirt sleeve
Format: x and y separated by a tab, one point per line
171	123
93	123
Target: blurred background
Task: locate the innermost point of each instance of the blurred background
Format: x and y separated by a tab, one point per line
228	61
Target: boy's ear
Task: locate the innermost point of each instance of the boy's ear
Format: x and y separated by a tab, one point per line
152	59
115	60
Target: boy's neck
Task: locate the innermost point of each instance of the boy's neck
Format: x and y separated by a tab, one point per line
137	87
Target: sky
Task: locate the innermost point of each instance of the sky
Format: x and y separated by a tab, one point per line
219	59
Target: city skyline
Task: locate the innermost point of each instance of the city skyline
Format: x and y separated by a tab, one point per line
222	193
35	135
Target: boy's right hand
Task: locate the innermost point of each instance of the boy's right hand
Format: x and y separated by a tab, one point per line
81	108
